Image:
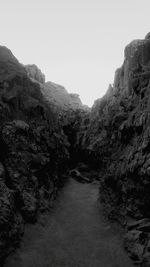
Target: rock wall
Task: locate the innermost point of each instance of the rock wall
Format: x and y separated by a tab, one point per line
33	151
118	132
118	138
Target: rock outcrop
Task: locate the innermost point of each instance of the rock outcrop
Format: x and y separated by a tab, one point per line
65	104
34	150
35	73
58	94
117	139
68	107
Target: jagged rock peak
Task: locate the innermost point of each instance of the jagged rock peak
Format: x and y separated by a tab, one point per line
135	66
147	36
136	45
76	98
35	73
6	54
9	65
58	95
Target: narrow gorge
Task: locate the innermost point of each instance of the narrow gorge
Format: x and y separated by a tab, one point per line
75	165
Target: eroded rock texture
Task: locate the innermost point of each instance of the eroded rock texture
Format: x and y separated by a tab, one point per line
117	137
43	128
33	150
68	107
35	73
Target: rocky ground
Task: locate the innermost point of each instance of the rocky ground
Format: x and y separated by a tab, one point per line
75	233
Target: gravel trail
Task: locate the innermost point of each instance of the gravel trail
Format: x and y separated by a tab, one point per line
74	234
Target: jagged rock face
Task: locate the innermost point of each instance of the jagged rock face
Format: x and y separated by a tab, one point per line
72	127
68	107
70	112
54	93
33	150
9	66
147	36
62	101
37	122
35	73
118	134
137	242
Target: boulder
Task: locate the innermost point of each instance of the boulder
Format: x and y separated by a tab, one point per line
77	175
135	242
140	225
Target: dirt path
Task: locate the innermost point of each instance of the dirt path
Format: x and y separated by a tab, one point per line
75	234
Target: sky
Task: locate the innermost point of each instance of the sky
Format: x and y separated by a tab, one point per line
76	43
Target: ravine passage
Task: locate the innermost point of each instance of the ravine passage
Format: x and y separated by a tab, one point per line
74	234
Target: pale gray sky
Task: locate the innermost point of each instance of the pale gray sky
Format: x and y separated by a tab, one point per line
76	43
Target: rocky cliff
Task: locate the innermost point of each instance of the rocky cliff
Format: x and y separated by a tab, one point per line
68	107
43	129
55	94
34	150
117	137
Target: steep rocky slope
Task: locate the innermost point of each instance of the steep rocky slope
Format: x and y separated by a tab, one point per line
34	150
63	103
68	107
118	138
